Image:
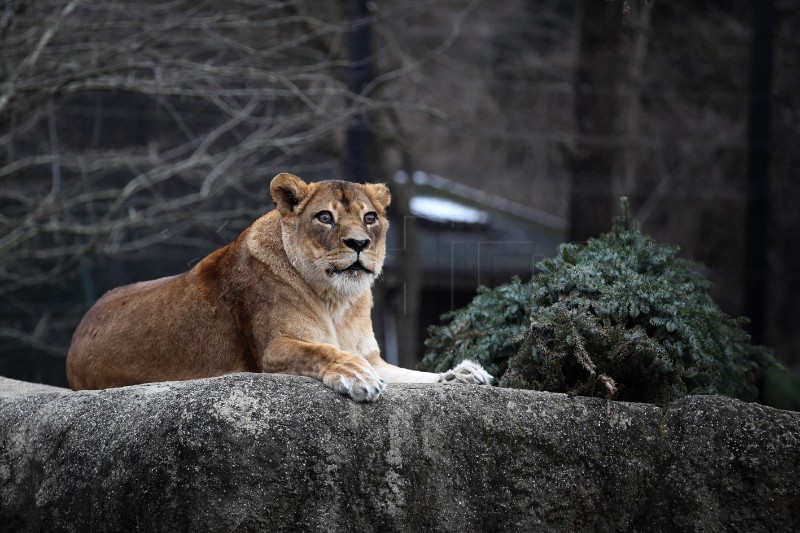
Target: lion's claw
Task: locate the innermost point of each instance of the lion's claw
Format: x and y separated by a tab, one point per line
356	379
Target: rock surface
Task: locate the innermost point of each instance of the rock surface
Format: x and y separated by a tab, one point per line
250	452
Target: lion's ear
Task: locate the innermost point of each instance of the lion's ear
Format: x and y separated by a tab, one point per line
379	193
287	191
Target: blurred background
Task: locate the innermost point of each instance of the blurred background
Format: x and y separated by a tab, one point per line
137	137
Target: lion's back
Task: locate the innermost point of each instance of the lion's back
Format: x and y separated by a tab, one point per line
156	330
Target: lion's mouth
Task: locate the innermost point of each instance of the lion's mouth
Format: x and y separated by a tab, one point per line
356	266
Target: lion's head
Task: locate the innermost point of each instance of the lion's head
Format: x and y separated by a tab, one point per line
334	232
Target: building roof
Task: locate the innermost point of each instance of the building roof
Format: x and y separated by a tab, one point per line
468	237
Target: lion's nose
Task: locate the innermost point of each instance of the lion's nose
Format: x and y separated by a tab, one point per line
357	244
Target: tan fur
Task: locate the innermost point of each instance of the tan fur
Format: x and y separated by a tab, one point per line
275	300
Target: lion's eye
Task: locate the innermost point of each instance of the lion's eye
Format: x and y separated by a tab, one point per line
370	218
326	217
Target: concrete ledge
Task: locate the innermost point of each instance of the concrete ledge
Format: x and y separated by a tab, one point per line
12	387
266	452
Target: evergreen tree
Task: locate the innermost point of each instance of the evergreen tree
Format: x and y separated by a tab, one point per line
618	317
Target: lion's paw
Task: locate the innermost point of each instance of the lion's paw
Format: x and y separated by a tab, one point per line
466	372
355	379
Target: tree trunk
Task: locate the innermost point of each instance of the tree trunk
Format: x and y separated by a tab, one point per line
359	74
596	82
627	185
759	134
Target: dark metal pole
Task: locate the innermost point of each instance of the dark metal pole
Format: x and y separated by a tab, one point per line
758	168
359	74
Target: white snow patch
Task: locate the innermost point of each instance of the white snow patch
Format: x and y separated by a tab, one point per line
440	209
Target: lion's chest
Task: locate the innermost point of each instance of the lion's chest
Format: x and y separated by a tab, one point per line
352	334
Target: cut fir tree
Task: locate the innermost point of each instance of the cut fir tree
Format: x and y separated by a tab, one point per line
620	317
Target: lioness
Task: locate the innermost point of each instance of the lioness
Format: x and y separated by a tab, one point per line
290	295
